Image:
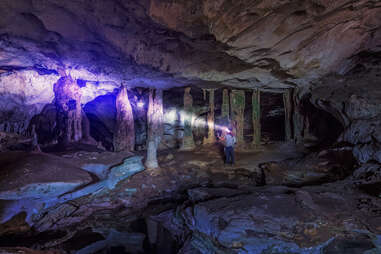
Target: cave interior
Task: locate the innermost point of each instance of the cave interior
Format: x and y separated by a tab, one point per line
116	116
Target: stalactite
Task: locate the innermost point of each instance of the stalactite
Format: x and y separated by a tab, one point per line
188	141
256	104
68	102
225	105
124	137
288	114
210	119
155	126
237	103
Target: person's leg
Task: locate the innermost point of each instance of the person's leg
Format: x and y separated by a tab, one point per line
228	155
232	156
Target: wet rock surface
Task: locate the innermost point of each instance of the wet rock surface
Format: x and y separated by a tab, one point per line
197	208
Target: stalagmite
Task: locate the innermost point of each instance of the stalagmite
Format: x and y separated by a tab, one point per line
256	103
188	141
237	104
155	126
86	136
35	145
225	105
124	137
210	119
68	102
288	114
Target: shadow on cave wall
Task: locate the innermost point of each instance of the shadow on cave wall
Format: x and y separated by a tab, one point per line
101	113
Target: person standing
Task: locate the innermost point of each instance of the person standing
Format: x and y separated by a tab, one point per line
229	141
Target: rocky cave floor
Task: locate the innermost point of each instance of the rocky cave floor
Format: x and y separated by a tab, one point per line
278	199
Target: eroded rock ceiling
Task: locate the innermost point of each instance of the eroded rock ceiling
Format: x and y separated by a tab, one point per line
167	43
171	42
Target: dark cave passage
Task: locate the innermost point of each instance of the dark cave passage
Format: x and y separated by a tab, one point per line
272	117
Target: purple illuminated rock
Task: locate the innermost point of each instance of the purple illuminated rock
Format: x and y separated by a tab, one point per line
124	135
68	102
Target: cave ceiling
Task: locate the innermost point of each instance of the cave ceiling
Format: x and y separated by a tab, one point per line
167	43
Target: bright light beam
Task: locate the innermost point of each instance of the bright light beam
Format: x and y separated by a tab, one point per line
173	115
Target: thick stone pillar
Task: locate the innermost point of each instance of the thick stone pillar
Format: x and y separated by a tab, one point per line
237	105
68	102
225	105
211	139
155	126
187	115
124	135
287	101
256	104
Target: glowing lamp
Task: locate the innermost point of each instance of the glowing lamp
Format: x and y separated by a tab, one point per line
140	104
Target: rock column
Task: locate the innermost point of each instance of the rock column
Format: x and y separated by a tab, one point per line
237	105
211	139
225	105
288	114
155	126
68	102
256	104
188	141
124	137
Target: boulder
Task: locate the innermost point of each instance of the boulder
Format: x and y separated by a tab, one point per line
327	166
368	178
38	175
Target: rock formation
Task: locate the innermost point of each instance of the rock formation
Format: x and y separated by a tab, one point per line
256	100
68	103
188	117
225	107
211	139
155	126
237	105
124	135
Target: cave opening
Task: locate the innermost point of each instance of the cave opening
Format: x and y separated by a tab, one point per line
322	129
